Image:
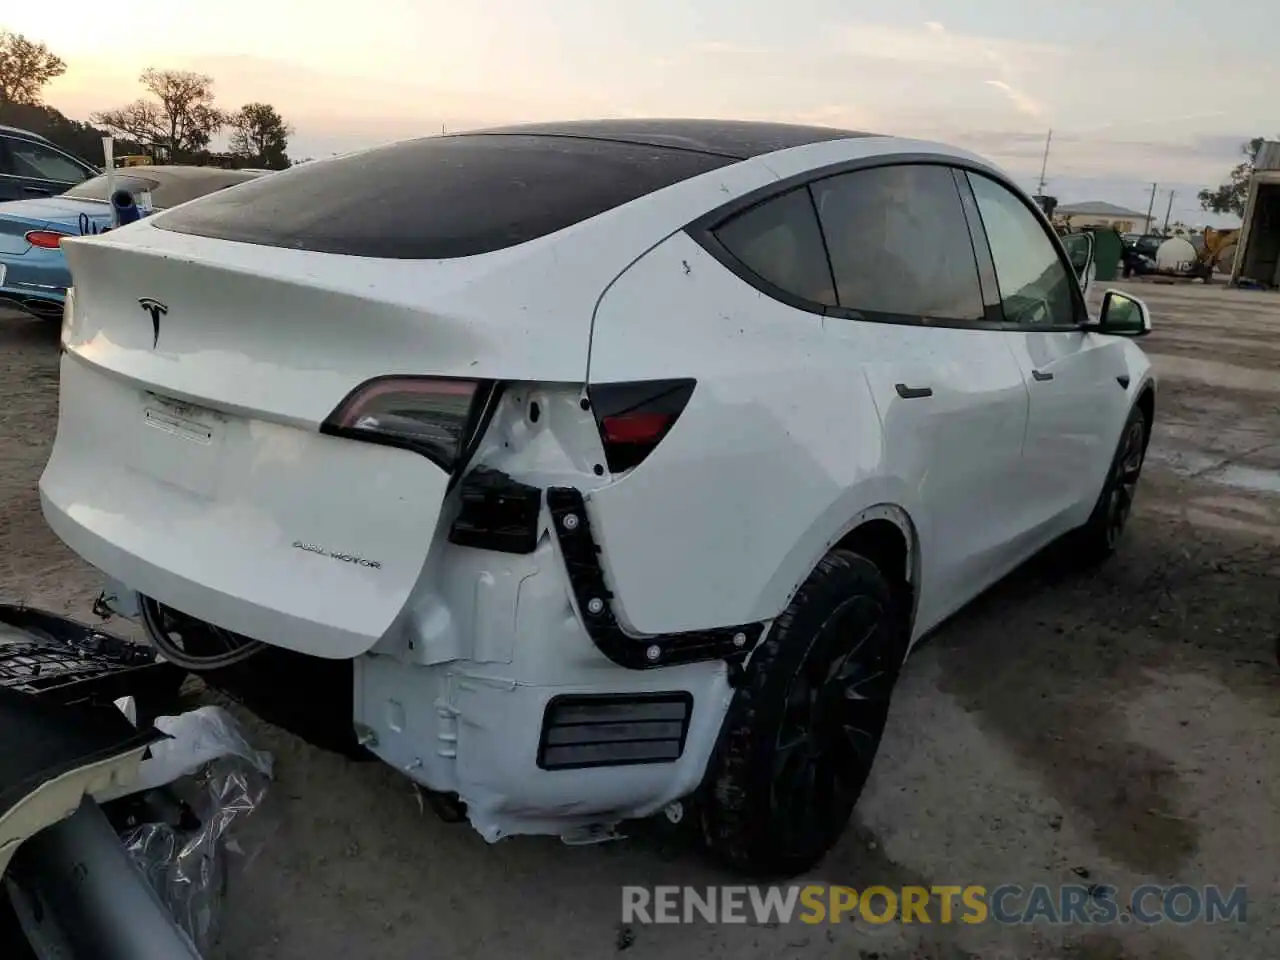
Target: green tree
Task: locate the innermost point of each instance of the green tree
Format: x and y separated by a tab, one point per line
1231	196
179	122
260	136
82	139
25	68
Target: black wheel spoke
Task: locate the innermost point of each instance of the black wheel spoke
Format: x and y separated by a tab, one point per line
833	715
789	752
856	744
1122	485
865	625
869	688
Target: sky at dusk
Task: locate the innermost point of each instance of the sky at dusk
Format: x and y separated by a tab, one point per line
1133	93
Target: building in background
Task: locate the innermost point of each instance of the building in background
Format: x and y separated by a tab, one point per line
1099	213
1257	259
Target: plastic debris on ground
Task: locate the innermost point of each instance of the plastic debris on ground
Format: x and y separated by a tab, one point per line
217	781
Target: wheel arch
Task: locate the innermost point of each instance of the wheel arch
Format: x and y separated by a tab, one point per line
886	533
1146	402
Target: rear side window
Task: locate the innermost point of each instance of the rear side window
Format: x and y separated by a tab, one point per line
39	162
899	243
439	197
780	241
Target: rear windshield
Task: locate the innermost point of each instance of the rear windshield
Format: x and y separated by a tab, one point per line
167	189
439	197
95	188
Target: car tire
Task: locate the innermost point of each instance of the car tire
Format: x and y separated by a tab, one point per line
805	722
1098	538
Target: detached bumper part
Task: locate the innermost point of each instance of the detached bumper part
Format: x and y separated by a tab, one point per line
69	663
72	888
53	757
83	894
594	599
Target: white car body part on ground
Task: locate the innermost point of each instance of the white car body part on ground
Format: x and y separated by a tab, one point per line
344	412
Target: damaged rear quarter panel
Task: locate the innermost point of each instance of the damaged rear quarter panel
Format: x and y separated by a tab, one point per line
778	447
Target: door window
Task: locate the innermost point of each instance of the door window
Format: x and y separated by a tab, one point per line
779	241
899	243
39	162
1037	289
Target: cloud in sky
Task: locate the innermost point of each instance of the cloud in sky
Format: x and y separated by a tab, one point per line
725	46
1019	99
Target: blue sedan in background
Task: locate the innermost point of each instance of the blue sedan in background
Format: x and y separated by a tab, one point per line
33	271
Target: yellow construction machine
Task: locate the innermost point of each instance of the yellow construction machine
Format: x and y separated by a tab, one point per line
1218	251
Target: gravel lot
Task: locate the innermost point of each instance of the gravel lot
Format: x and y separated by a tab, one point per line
1123	725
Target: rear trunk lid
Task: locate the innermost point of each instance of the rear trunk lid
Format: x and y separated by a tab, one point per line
55	214
189	462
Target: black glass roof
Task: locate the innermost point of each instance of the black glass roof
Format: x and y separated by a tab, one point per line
737	139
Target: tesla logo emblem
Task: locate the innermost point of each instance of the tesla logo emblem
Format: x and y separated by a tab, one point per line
157	310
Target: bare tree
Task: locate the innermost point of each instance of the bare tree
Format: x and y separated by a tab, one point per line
260	135
25	68
180	121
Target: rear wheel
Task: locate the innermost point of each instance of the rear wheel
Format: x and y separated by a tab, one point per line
803	729
1100	536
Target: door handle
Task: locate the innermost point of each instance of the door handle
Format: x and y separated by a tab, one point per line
911	393
38	191
1041	375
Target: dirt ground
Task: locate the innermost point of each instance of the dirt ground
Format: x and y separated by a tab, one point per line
1122	726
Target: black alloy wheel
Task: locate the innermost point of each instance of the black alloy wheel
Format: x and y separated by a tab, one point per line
1098	538
1123	481
804	726
835	712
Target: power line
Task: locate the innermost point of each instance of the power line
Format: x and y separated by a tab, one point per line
1044	164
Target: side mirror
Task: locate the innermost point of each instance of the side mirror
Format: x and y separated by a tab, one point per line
1123	315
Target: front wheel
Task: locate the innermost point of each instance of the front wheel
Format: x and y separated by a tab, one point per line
1101	534
803	729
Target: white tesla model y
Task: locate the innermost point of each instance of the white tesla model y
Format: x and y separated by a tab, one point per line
590	470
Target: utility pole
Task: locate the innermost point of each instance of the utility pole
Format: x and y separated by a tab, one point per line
1044	164
1151	205
1167	211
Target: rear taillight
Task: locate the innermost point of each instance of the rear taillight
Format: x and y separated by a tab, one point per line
634	417
45	239
434	416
